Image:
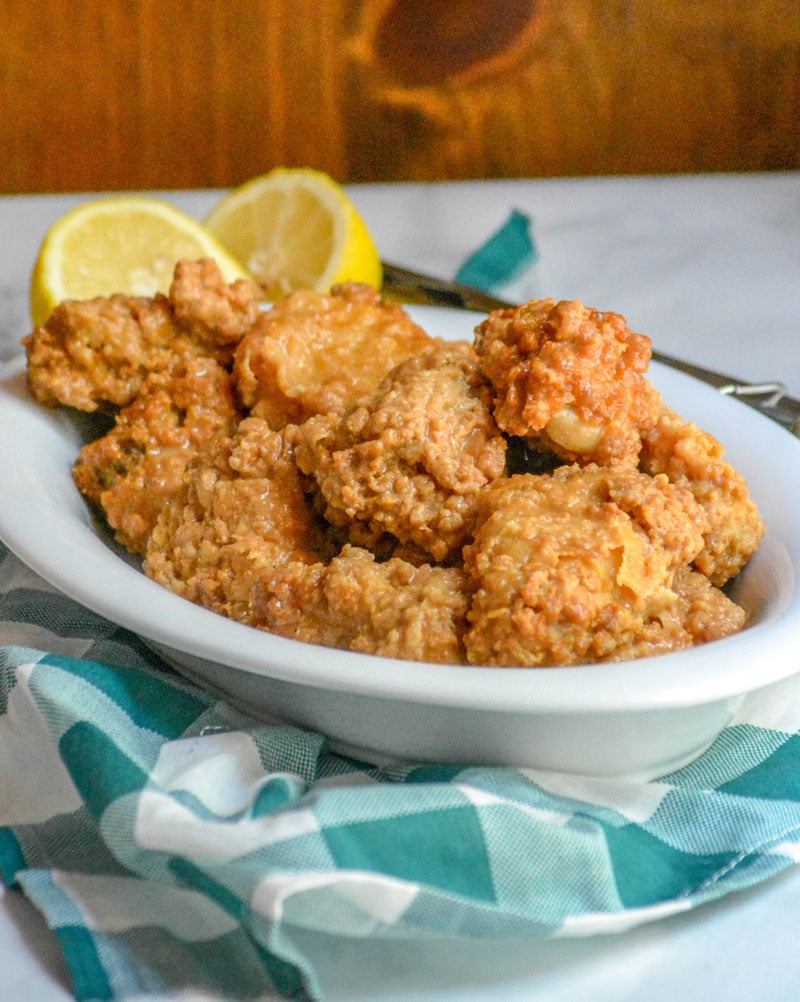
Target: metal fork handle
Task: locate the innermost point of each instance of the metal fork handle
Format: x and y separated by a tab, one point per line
769	398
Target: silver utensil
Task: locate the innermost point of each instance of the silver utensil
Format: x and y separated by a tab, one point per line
769	398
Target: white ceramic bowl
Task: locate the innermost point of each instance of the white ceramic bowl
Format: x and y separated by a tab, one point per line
634	720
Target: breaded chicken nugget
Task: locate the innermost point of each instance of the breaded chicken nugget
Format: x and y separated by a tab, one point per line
693	459
240	513
411	458
135	469
210	311
394	609
577	566
570	376
702	613
97	353
313	353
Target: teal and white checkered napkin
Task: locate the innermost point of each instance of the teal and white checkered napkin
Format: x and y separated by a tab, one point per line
174	845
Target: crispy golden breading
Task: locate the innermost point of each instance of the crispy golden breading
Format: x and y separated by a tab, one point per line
314	354
239	515
138	467
410	459
327	471
572	567
213	313
97	353
695	460
394	609
701	613
570	376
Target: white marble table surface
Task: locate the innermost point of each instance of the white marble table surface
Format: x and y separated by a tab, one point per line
709	267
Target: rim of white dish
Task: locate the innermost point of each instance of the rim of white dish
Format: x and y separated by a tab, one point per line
49	528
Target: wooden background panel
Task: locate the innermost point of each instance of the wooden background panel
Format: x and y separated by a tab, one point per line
118	94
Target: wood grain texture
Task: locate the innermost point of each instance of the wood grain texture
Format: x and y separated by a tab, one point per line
106	94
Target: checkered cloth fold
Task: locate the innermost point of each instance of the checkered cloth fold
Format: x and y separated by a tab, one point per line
172	843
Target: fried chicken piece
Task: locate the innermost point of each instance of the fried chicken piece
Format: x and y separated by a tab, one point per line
213	313
241	513
313	353
571	377
394	609
135	469
411	458
578	566
693	459
702	613
98	352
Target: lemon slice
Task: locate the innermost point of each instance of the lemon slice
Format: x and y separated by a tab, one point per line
127	244
296	228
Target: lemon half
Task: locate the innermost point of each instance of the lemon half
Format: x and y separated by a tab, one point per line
127	244
296	228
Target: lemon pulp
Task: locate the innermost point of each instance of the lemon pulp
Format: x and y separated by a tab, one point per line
296	228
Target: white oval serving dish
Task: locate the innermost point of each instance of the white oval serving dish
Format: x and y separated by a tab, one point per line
632	720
